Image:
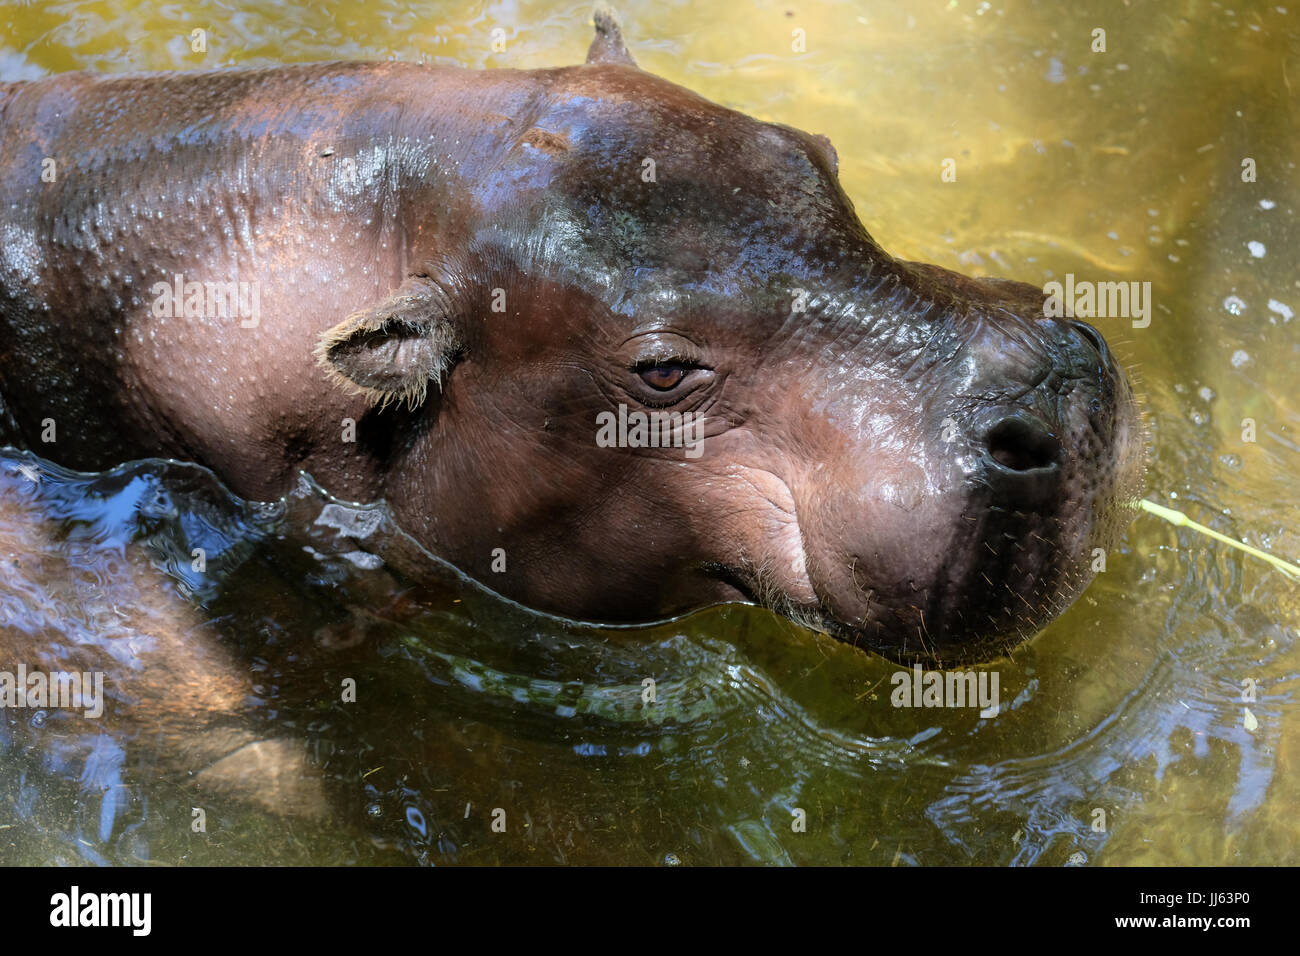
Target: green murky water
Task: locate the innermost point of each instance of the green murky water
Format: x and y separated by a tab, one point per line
1118	165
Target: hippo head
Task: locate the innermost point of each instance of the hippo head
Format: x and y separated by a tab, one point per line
670	368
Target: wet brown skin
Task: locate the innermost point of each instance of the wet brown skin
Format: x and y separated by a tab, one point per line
916	462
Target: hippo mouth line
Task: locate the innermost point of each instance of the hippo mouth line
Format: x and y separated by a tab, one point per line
927	617
994	592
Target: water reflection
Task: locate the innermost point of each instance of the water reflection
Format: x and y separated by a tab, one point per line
225	693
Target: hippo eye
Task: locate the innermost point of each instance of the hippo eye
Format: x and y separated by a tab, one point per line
663	377
665	369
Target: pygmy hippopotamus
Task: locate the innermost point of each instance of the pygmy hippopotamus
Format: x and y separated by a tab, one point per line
610	348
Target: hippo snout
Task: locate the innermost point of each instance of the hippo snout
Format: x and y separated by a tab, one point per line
970	476
1028	456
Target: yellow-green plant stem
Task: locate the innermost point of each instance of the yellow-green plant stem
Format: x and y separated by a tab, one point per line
1178	519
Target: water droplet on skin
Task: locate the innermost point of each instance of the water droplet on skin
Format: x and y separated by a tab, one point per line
1234	305
1240	358
1206	393
1257	249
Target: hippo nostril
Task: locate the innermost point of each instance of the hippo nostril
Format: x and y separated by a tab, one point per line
1089	333
1093	338
1020	444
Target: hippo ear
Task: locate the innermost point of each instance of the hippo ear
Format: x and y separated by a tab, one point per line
392	351
828	152
608	46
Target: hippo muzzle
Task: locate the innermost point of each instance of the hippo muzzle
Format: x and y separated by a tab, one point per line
1024	449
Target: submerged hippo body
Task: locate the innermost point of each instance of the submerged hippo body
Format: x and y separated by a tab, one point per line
481	270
